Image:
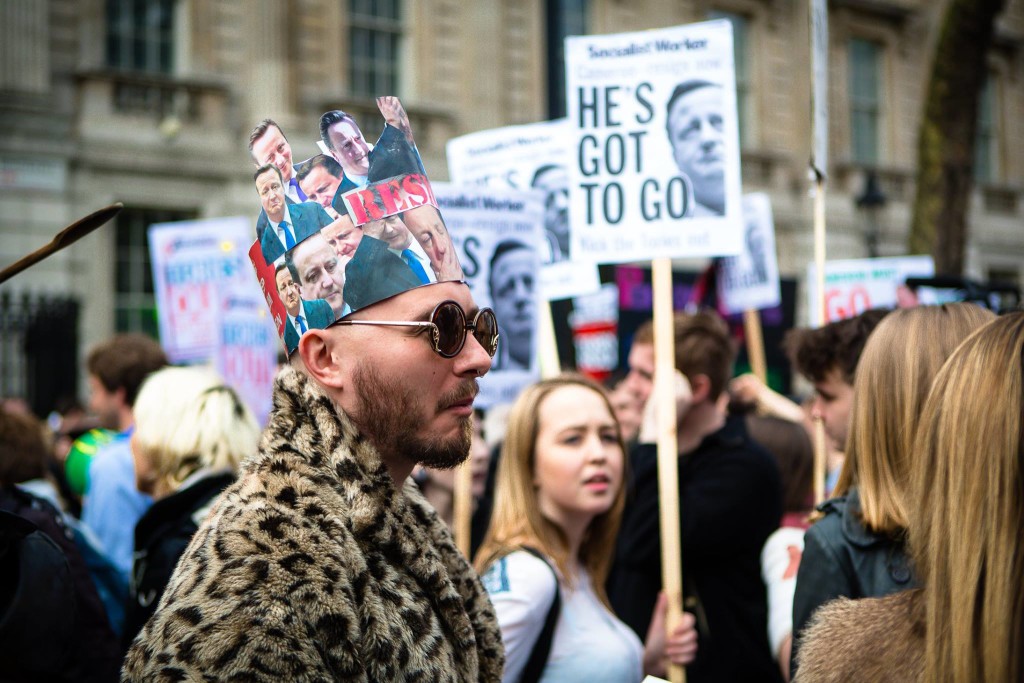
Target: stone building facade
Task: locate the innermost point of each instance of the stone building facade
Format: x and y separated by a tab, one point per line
150	104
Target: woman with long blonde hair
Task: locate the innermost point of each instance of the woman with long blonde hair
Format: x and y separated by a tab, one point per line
965	517
967	510
856	549
546	556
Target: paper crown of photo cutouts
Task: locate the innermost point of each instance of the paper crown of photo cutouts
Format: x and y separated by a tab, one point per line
346	228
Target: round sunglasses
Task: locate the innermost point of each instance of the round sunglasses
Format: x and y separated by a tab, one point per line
448	327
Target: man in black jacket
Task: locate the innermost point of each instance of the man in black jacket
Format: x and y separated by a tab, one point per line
53	626
729	503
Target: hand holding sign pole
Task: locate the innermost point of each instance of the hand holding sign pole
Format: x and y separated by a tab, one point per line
668	450
656	175
755	344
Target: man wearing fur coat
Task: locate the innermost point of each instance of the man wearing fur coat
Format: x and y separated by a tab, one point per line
323	562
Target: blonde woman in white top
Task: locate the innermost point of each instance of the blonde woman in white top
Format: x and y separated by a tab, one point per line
560	495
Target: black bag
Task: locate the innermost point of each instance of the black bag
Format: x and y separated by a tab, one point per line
37	602
542	648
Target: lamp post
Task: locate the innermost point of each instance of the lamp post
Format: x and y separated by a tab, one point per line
871	203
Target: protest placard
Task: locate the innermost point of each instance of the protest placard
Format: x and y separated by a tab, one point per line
522	157
750	281
495	233
636	195
855	285
194	262
594	322
656	161
246	356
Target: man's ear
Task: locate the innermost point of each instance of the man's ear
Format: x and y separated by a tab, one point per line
321	356
701	386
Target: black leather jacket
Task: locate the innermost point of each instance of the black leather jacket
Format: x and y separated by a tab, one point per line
842	558
161	537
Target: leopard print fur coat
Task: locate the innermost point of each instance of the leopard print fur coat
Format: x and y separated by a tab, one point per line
314	567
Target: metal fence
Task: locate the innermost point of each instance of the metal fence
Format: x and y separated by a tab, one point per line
38	349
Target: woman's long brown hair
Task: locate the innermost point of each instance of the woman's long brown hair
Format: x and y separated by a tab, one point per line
895	372
967	509
517	519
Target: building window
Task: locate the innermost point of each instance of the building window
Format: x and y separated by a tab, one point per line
865	90
1005	275
140	35
375	37
39	348
986	154
134	302
741	56
564	18
1004	282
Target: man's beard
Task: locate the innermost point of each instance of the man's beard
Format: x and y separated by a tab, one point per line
389	416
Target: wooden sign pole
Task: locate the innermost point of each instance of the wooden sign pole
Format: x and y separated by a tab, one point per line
668	450
64	238
755	344
820	457
819	44
820	451
462	506
550	365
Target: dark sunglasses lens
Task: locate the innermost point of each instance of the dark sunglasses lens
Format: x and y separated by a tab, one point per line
451	328
486	331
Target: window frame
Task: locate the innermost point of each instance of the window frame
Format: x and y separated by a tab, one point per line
873	107
987	161
140	42
134	295
369	73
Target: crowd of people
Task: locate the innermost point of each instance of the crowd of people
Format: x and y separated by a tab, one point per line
167	539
